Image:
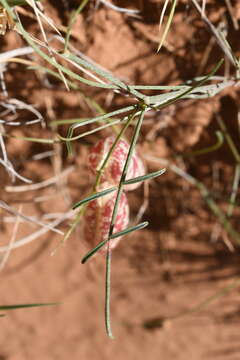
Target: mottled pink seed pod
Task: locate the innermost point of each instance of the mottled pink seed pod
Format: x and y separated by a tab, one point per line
97	218
115	165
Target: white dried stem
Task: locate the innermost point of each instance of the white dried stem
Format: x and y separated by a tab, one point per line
32	220
27	239
41	184
12	240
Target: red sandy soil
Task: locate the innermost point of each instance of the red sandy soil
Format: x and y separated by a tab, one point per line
158	273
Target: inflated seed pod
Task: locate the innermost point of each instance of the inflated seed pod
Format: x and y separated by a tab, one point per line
114	168
97	218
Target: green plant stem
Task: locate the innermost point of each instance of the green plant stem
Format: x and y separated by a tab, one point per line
108	295
99	118
229	139
114	215
72	21
222	42
235	187
118	137
18	2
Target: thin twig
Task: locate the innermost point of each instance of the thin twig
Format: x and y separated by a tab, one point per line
40	185
15	212
232	15
12	240
10	169
27	239
119	9
222	42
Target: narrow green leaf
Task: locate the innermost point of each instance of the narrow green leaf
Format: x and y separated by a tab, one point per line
72	21
86	133
31	139
188	91
93	251
229	140
21	306
144	177
67	121
129	230
18	2
113	236
115	82
103	116
71	129
235	187
94	196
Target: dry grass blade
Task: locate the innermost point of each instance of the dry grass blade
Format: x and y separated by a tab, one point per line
13	105
5	56
119	9
163	13
232	14
8	166
39	15
13	211
222	42
168	24
81	68
5	257
35	235
41	184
